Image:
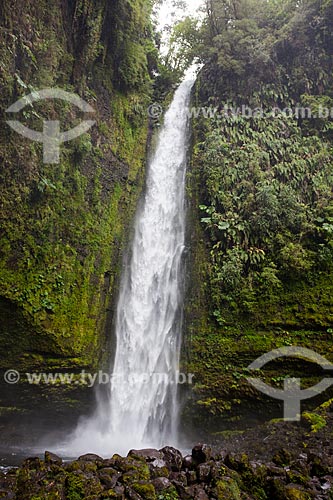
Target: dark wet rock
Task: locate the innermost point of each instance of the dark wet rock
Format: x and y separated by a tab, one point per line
274	470
296	492
282	458
90	457
149	454
203	473
7	495
132	494
327	486
178	477
173	458
201	453
132	468
276	488
119	490
52	458
165	474
188	462
320	464
32	463
227	489
197	492
302	466
219	469
201	495
237	462
294	476
191	477
161	483
81	466
109	477
108	462
158	468
155	460
7	485
145	490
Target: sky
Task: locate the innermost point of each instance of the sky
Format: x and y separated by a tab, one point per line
165	11
193	5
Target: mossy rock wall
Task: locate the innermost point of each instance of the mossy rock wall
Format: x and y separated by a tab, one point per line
224	336
64	227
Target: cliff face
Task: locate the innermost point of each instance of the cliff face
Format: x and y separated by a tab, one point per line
64	226
260	192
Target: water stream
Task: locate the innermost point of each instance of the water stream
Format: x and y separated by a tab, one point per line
142	408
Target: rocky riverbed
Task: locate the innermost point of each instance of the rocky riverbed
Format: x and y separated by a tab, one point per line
276	461
167	475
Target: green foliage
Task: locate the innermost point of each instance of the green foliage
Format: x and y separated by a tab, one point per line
261	187
168	494
316	421
74	487
63	226
184	44
267	189
134	54
249	43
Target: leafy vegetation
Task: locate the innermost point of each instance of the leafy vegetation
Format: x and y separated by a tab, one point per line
269	210
262	185
267	180
63	226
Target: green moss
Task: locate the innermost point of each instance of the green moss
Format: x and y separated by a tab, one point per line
133	468
74	487
316	421
297	494
65	226
145	490
227	489
168	494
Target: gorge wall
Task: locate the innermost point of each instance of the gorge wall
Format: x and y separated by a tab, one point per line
261	207
63	227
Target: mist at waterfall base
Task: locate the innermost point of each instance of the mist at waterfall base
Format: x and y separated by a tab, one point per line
142	411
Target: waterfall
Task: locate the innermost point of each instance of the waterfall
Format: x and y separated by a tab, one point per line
142	408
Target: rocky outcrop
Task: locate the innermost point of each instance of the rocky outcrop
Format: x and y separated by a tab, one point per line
166	475
64	226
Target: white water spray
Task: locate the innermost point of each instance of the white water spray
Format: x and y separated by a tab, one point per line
142	409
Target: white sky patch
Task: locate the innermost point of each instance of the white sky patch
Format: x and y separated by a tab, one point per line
168	15
166	12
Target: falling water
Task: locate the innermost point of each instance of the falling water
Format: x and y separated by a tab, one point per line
142	409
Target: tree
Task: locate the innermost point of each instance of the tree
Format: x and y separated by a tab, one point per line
184	45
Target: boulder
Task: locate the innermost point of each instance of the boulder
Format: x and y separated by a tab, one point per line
227	489
109	477
173	458
203	473
295	492
148	454
90	457
161	483
201	453
52	458
178	477
282	458
188	462
197	492
191	477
